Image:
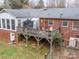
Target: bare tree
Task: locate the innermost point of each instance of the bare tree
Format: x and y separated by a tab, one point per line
76	3
40	4
71	3
54	3
15	3
33	3
60	3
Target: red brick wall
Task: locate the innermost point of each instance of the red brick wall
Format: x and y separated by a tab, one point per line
67	31
5	35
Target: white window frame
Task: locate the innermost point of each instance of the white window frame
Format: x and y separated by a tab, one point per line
4	22
11	24
0	24
67	23
6	25
73	25
52	22
20	22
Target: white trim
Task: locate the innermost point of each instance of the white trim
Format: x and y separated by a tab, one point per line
63	25
0	23
12	37
10	25
7	29
6	25
14	24
20	22
73	25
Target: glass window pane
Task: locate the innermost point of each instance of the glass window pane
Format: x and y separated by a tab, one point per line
50	22
8	24
19	23
13	24
76	25
64	23
3	23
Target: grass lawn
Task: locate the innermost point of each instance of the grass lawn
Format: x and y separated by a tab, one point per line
20	51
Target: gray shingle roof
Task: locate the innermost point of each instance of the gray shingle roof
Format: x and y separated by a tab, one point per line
65	13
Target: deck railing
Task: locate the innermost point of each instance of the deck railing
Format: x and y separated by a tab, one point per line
35	32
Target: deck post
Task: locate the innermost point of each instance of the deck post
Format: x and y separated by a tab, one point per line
37	45
16	37
26	40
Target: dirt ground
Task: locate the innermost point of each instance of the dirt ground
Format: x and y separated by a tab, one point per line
62	53
66	53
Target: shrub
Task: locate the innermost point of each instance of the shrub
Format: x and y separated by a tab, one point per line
57	40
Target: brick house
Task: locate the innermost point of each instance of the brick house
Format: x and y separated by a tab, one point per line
66	20
67	27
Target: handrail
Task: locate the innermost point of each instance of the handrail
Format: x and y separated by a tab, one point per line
38	32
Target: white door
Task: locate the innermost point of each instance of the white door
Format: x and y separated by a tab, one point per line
73	42
12	37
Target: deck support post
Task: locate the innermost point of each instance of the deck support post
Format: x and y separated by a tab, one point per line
26	40
17	37
37	45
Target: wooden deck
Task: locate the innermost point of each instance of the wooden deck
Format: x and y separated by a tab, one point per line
38	34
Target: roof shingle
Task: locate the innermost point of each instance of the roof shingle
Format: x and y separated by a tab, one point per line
65	13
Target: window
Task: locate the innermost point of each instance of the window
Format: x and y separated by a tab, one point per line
76	25
19	23
50	22
64	23
3	23
8	23
13	24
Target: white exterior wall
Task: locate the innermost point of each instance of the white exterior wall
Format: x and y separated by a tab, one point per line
22	20
7	16
35	23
